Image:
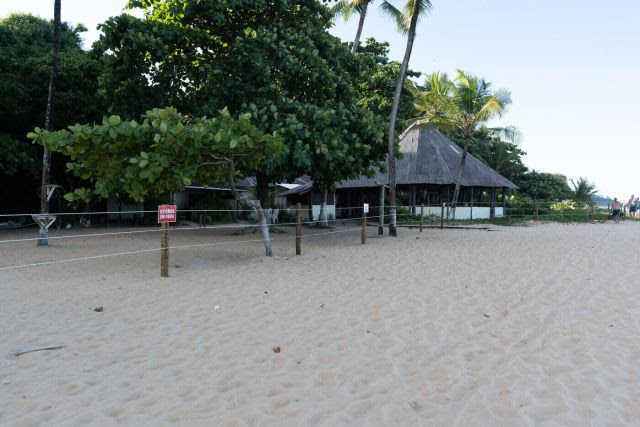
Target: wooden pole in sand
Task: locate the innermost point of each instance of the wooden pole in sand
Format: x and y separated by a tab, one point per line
421	216
363	237
298	229
442	217
381	212
164	250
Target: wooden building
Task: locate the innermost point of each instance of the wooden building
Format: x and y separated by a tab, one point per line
426	174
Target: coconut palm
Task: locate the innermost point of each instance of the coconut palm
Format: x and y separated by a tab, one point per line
467	104
43	234
499	149
347	8
407	22
583	191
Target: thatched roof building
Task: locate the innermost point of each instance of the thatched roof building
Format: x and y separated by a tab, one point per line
430	158
426	174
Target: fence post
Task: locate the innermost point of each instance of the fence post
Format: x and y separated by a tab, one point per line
298	229
164	250
421	216
593	213
536	203
363	237
442	217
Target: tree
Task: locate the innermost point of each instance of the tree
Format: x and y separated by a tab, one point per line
43	233
407	22
346	8
583	191
543	186
164	153
272	59
25	63
466	104
499	149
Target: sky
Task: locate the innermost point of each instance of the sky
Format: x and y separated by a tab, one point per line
569	66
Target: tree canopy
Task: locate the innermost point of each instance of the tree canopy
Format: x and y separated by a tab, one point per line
165	152
272	59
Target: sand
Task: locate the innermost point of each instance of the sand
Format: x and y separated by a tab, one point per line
515	326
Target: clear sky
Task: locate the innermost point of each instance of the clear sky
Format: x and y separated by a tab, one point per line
570	66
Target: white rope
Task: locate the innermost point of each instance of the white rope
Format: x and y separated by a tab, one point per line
157	229
36	264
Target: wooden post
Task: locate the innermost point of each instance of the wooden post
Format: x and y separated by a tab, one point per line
381	212
471	205
442	217
593	213
298	229
363	237
504	201
536	203
164	250
421	216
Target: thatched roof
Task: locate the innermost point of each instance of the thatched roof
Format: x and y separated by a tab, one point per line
429	157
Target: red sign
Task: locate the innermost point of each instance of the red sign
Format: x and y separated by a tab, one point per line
167	213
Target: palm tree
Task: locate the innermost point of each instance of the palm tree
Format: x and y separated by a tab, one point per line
347	8
407	21
583	191
43	234
498	148
468	103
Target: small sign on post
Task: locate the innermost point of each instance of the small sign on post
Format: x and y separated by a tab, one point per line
363	234
166	215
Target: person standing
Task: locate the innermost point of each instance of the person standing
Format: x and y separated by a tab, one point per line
616	210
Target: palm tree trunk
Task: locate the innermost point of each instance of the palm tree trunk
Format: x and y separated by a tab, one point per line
392	120
456	191
43	233
363	15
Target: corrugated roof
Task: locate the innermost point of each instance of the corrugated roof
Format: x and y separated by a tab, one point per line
429	157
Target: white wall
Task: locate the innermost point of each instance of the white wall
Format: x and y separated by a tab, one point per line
463	212
315	211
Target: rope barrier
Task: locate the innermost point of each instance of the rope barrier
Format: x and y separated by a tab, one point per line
36	264
158	229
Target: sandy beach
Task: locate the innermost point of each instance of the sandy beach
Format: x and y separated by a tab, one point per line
515	326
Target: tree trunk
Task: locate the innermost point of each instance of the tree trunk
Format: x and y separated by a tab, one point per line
262	190
264	224
363	15
392	120
324	222
456	191
43	233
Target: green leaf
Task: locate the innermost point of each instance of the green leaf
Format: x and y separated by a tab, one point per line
233	143
143	163
114	120
113	133
31	135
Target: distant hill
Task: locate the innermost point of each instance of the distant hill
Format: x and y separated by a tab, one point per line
602	200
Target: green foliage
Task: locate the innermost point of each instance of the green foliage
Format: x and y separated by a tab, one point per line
25	63
583	191
565	205
459	106
164	153
499	149
14	157
272	59
377	82
543	186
